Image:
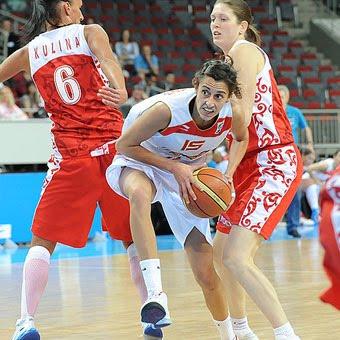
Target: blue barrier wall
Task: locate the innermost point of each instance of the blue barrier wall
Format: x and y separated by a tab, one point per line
19	194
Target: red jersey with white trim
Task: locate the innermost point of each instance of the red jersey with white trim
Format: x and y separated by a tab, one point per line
182	139
269	125
68	77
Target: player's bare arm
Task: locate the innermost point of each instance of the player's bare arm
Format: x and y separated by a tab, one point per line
98	42
15	63
320	166
155	119
247	69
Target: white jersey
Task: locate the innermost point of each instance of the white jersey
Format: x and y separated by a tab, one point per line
182	139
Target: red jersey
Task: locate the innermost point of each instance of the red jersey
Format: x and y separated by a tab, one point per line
68	76
269	125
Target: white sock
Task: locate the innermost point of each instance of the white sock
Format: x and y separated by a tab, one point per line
136	274
225	329
241	327
312	195
35	276
284	330
151	270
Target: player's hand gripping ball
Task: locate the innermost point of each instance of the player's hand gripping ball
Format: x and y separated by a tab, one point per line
215	194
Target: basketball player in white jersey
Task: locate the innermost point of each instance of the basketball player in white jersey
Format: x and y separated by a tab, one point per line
164	139
267	178
69	64
315	175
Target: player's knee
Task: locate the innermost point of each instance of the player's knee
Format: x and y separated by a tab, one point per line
139	197
206	277
234	263
218	260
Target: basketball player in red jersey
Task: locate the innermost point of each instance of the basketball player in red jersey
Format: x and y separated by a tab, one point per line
166	137
330	236
266	177
69	63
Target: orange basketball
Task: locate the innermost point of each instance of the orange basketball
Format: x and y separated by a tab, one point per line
215	195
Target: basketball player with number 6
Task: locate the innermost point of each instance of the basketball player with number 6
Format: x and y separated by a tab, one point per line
165	138
69	64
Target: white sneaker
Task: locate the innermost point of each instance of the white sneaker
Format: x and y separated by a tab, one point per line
248	336
25	330
155	309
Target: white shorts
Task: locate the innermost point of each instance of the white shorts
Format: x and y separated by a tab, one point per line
180	219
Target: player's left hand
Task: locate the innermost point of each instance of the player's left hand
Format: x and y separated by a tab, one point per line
112	97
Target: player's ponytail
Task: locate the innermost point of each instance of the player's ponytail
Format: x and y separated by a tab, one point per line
42	11
253	35
36	23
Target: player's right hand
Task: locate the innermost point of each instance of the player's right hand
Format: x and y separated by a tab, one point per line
112	97
185	179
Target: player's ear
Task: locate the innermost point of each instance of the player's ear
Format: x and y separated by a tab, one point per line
195	82
66	7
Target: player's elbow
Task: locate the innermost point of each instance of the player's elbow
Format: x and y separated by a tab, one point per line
242	136
121	145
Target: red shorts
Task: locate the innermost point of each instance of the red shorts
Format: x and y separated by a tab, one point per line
265	184
70	194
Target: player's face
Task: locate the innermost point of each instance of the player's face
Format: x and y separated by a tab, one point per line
75	13
224	26
211	96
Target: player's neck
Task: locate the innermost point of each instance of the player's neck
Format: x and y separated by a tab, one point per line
52	26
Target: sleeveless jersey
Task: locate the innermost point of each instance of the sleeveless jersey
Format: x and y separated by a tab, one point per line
68	77
269	125
182	139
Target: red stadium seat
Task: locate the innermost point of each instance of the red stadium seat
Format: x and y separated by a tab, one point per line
330	105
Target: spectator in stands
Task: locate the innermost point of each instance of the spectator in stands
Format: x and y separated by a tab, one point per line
170	82
146	62
296	118
151	85
13	42
127	50
137	96
8	109
220	156
31	101
297	121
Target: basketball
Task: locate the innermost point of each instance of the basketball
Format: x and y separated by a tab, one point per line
215	195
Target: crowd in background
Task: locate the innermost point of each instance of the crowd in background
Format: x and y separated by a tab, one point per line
19	100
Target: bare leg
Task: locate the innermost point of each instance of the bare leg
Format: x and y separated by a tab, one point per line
200	255
235	293
239	259
35	277
140	191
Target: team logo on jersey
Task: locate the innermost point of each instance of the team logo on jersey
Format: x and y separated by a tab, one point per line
192	145
219	127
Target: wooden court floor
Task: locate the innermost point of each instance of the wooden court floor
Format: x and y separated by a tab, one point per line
93	297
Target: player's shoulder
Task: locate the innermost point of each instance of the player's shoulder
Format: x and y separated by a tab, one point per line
94	29
245	49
